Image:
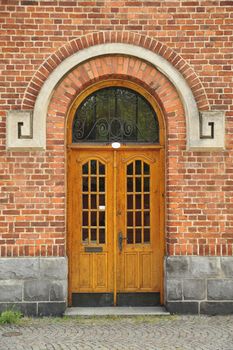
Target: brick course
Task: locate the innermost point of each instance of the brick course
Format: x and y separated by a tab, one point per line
194	36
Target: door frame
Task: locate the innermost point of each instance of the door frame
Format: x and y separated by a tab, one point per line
161	147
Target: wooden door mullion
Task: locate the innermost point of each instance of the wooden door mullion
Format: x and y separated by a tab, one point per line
115	228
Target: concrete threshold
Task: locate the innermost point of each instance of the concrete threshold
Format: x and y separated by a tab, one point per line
116	311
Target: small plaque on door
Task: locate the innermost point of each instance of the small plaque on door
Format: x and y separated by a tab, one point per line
93	249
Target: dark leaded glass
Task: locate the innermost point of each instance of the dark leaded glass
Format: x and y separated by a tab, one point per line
115	114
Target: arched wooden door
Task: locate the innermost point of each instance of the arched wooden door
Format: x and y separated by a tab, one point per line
115	202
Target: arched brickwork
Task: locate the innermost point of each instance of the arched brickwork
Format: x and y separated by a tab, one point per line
117	67
92	39
124	68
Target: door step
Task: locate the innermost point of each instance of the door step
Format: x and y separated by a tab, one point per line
116	311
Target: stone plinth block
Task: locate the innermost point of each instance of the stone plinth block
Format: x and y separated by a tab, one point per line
220	289
32	284
10	291
19	268
194	289
174	290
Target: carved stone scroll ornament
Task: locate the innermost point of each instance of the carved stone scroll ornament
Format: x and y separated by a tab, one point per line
21	133
21	126
212	130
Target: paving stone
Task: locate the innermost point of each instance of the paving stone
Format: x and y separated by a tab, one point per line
124	333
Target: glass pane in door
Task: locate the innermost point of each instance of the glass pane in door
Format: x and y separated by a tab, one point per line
93	202
138	202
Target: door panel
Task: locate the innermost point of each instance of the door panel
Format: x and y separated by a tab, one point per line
138	221
85	269
90	221
145	270
124	260
100	265
130	271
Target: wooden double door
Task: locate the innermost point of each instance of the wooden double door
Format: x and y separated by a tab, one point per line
114	224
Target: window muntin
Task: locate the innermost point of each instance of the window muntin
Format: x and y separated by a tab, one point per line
93	202
138	203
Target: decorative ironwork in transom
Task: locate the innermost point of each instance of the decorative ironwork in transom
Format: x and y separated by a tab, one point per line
115	114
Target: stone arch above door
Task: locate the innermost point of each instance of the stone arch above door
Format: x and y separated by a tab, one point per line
26	129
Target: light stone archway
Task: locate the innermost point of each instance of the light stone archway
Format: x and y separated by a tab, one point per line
27	129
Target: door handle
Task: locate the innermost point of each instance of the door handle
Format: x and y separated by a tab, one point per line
120	241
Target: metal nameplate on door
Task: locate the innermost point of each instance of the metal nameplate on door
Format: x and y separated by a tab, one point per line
93	249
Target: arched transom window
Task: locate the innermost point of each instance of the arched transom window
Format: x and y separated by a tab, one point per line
115	114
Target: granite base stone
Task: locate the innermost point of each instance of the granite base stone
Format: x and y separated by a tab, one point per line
199	285
193	285
34	286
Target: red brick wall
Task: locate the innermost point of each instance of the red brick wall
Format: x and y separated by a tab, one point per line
195	36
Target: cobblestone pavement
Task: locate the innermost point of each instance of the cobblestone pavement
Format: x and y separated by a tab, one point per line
120	333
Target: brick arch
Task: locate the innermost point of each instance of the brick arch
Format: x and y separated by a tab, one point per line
196	138
92	39
111	68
